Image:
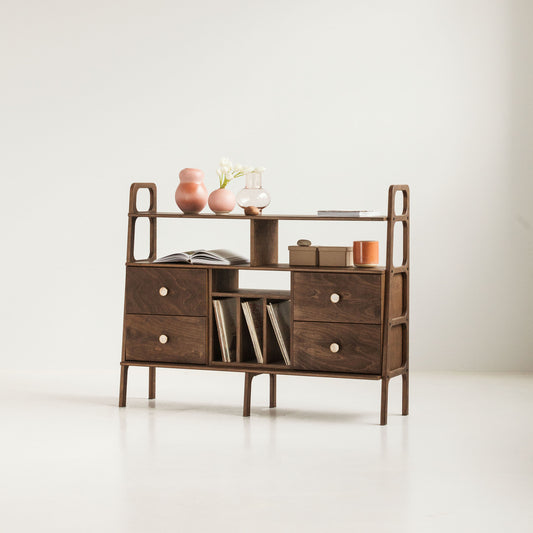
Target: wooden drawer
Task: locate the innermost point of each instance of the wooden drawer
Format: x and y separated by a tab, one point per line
359	297
185	339
186	291
359	347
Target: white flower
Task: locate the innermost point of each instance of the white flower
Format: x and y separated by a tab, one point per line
259	169
220	173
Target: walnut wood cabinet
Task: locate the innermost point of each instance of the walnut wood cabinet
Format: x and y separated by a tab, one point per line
346	322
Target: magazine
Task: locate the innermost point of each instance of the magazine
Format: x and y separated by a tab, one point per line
204	257
280	318
253	314
225	318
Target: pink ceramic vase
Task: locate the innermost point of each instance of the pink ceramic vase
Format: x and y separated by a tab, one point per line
191	194
221	201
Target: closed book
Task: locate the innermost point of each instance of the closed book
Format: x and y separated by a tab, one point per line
362	213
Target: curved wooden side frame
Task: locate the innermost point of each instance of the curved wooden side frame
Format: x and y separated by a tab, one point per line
130	257
134	189
402	321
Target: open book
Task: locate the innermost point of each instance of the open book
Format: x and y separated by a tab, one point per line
204	257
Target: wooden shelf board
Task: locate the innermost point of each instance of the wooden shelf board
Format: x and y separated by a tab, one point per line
277	266
253	367
273	294
211	216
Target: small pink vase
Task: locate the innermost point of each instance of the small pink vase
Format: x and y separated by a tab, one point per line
191	194
221	201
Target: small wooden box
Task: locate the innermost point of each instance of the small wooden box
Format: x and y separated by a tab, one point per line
303	255
335	256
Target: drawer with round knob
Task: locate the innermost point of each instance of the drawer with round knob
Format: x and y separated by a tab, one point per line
166	291
325	297
335	347
169	339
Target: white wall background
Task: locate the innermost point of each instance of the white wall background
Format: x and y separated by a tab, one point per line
338	99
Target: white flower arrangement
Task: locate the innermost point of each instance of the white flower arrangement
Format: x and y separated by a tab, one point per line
227	171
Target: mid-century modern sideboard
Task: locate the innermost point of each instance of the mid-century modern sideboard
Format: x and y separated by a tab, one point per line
346	322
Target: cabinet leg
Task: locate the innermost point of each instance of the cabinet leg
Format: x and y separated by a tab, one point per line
405	393
151	383
384	399
123	386
272	390
248	376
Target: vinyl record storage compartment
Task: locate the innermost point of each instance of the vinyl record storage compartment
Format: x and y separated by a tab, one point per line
346	322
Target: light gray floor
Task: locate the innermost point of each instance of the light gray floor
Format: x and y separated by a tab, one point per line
72	461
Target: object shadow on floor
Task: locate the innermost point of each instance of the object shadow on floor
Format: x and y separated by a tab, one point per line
261	412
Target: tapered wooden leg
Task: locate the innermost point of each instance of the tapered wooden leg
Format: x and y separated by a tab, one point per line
151	382
247	393
272	390
405	393
123	386
384	400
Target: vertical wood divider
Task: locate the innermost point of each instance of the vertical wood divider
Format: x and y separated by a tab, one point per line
265	336
210	313
263	241
239	331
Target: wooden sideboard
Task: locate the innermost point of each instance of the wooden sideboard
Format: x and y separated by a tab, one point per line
346	322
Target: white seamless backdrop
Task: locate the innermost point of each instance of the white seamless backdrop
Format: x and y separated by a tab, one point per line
338	99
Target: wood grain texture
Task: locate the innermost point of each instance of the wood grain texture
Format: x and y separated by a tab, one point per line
248	376
384	400
263	241
360	347
398	303
277	267
225	280
187	291
396	357
395	291
360	297
134	189
234	216
123	386
151	383
186	338
272	390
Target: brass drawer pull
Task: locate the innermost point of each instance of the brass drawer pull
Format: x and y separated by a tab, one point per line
163	339
334	347
335	298
163	291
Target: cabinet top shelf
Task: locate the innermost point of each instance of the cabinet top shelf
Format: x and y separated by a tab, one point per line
210	216
277	266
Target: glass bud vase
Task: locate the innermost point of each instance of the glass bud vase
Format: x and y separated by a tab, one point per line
253	194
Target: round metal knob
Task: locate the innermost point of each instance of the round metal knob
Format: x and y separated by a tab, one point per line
163	291
334	347
335	298
163	339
